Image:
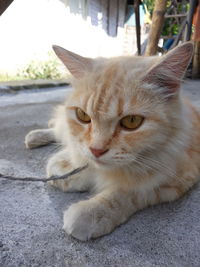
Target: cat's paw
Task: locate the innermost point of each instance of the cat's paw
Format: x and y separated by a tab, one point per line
37	138
84	221
31	139
58	167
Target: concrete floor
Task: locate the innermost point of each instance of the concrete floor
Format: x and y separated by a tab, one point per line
31	213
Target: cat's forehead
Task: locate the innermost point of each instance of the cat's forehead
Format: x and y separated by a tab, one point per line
113	88
121	69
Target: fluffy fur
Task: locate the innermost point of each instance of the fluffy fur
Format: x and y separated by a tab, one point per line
157	162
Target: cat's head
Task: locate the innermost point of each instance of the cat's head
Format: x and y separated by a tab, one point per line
124	107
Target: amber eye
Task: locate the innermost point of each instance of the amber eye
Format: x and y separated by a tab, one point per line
82	116
131	122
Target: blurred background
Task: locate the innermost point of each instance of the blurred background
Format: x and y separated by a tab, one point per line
90	28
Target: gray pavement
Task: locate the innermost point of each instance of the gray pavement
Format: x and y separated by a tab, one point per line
31	213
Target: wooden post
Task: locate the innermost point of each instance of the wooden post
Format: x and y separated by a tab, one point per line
4	5
137	23
156	27
188	31
196	38
196	61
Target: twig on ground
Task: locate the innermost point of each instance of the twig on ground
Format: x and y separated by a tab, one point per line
44	180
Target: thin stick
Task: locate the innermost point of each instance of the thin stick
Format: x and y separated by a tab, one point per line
44	180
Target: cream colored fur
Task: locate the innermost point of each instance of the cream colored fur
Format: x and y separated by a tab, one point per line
155	163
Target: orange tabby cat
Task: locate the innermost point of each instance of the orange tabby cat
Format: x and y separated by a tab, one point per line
127	119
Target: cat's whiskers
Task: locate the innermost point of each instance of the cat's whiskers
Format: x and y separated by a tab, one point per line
136	167
124	160
158	166
141	164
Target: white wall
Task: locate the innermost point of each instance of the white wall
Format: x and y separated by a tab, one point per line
28	28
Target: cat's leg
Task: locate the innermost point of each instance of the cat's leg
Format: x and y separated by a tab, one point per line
99	215
103	213
60	164
172	191
41	137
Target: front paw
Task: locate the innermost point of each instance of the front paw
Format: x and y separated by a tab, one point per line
58	167
37	138
32	139
84	221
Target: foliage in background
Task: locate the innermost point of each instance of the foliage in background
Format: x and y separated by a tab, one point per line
5	77
49	69
41	70
150	5
171	27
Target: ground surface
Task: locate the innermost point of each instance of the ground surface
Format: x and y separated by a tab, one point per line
31	213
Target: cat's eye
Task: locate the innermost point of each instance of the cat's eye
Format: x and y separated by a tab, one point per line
82	116
131	122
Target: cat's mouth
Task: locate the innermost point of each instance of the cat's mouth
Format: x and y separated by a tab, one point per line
100	162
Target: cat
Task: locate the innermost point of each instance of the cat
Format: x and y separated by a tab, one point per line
127	119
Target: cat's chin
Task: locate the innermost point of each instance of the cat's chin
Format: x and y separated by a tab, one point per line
100	164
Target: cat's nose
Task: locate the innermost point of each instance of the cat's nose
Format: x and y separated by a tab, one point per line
98	152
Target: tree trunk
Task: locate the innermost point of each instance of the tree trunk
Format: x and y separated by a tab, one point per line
196	61
4	4
156	27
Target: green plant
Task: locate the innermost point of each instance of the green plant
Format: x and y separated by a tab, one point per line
171	25
5	77
150	5
48	69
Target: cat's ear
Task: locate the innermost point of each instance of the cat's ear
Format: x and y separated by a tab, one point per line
77	65
169	72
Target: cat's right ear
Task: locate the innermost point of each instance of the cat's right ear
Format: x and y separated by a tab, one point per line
77	65
169	71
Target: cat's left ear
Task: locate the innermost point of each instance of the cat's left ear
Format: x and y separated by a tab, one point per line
169	72
77	65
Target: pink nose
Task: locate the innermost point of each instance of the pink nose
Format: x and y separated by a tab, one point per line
98	152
